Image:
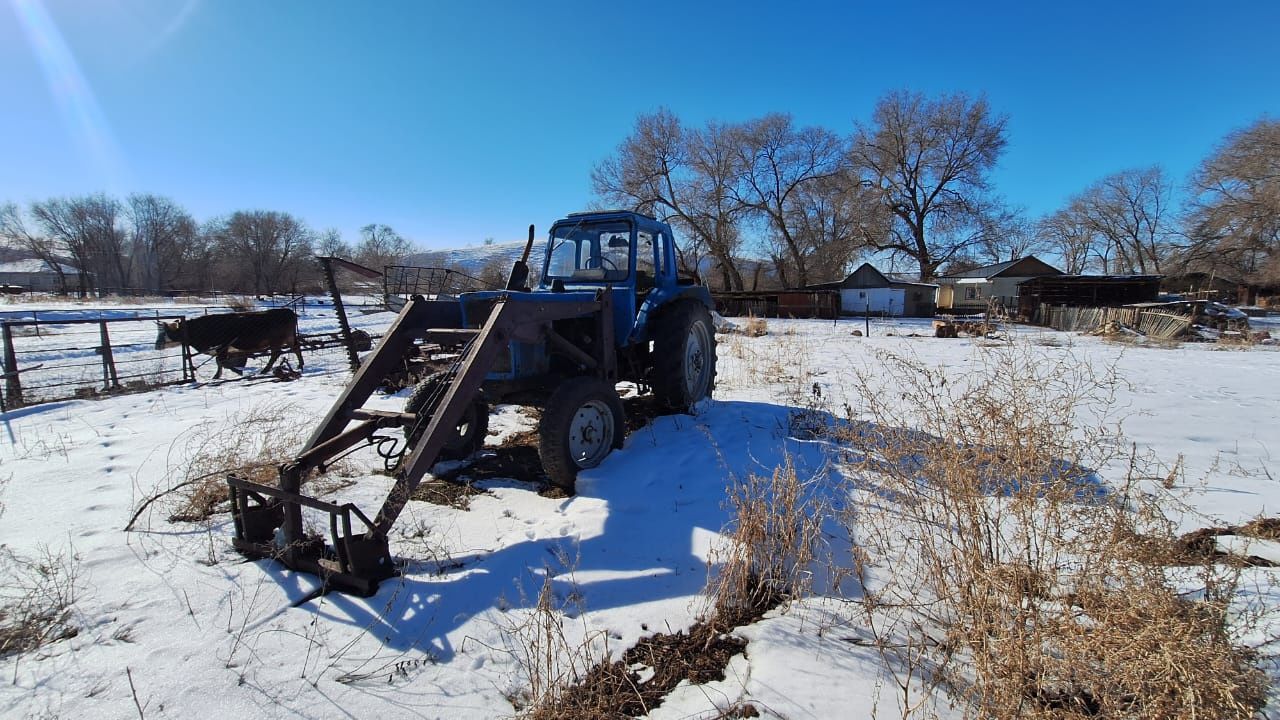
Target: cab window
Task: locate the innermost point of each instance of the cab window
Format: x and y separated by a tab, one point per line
600	252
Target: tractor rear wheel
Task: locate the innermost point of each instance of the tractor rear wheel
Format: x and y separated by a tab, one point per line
468	435
582	422
684	356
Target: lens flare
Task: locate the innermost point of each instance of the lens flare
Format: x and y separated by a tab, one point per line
76	103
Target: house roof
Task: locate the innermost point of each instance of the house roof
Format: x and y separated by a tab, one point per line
34	266
867	276
1029	266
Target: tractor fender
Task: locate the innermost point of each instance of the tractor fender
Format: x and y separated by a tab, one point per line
661	299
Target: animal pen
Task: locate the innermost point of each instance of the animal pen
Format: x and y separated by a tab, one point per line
48	360
75	358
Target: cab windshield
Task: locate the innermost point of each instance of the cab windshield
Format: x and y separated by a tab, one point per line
599	252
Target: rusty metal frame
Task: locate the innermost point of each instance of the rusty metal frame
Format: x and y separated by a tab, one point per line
358	562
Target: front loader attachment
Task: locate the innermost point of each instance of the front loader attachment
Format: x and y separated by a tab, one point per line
268	520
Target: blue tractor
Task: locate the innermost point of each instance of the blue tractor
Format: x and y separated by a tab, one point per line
609	307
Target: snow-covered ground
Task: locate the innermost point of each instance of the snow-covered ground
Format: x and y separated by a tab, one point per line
171	617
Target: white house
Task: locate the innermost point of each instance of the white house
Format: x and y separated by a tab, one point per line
869	291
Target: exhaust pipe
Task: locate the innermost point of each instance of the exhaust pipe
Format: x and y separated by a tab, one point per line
519	278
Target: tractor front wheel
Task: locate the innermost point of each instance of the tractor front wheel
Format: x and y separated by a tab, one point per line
468	435
582	422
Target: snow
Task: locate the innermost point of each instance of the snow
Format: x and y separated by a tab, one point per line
202	632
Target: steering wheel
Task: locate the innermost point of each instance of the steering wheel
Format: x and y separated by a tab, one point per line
603	262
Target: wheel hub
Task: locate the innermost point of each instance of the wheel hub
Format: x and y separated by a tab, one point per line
695	362
590	434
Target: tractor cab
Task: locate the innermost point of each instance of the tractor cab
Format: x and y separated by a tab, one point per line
617	247
629	252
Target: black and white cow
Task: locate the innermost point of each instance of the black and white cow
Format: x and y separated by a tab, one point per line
240	332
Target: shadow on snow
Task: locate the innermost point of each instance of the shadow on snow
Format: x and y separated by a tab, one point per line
663	503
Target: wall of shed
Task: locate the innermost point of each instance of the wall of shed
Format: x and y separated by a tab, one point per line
877	301
36	282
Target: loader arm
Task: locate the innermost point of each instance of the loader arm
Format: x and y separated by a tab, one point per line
268	519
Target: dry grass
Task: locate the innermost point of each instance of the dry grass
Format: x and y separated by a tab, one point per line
755	327
36	598
992	565
768	548
553	664
252	445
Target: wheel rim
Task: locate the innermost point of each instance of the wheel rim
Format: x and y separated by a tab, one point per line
590	434
697	365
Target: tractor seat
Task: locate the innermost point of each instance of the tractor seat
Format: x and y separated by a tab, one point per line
644	281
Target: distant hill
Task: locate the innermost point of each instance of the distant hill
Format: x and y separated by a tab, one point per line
472	260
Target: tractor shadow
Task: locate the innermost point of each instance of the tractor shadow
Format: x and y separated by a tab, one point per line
638	532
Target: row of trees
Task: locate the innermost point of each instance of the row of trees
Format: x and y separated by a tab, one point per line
914	183
1228	221
150	243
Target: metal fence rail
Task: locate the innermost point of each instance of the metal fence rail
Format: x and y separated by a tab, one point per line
400	282
70	358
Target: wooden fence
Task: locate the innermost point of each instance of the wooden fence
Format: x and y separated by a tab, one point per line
1163	323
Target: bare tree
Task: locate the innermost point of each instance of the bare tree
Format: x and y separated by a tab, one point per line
1068	234
329	242
1005	233
1129	212
264	251
831	217
87	228
680	177
162	235
1234	218
15	232
781	167
930	159
381	246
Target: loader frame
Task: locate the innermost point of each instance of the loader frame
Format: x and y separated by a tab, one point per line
268	520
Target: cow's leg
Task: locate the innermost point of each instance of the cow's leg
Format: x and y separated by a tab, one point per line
275	355
297	350
220	359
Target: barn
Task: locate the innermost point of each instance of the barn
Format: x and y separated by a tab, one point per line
1086	291
869	291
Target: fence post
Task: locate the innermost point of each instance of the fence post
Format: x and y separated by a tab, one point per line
12	384
109	378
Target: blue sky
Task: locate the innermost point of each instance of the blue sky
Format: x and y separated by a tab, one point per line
454	122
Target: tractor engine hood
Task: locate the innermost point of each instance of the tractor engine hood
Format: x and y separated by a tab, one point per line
476	305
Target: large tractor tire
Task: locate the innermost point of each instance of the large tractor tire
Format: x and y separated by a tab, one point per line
684	356
582	423
470	432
